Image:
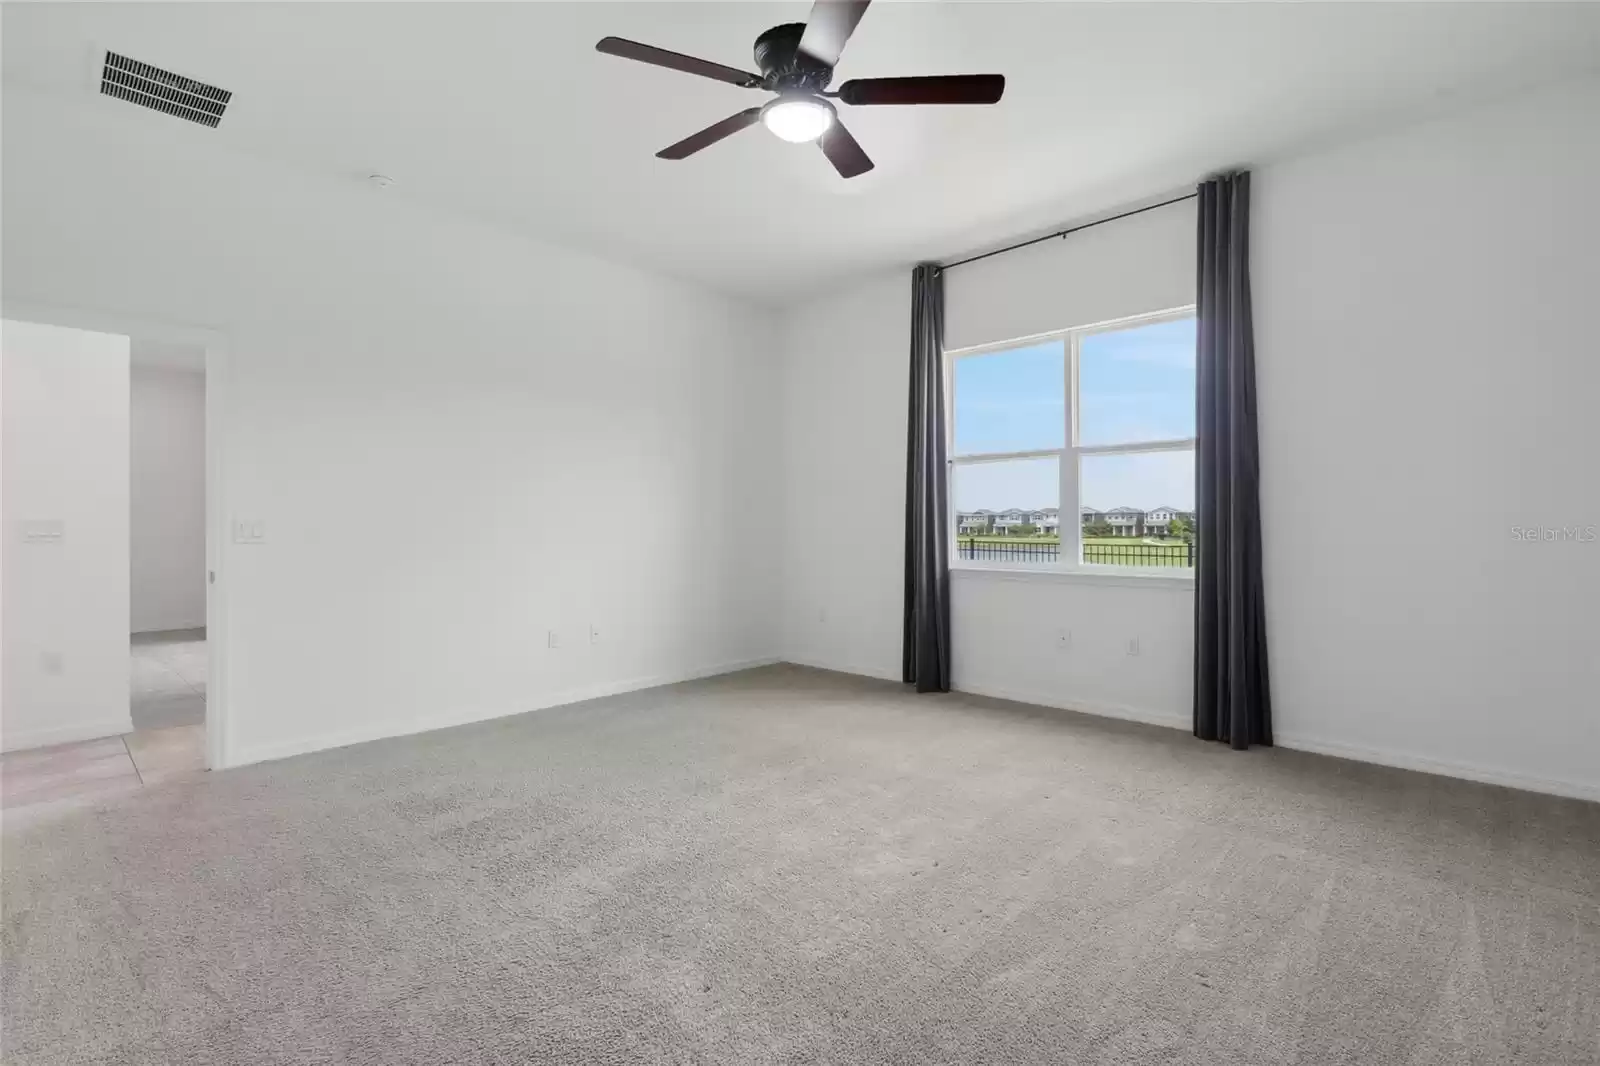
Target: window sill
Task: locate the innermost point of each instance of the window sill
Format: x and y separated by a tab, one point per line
1099	575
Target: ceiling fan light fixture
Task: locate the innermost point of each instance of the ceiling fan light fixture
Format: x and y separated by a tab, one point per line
798	119
797	61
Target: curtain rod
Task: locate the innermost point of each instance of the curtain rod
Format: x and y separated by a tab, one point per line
1065	232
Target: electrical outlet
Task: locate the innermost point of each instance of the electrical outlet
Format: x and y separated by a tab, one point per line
594	633
1133	645
552	639
822	616
1064	640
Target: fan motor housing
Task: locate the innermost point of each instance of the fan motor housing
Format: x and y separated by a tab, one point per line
784	67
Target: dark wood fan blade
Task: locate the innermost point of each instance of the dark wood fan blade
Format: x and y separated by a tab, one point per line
939	89
711	134
660	57
829	27
844	152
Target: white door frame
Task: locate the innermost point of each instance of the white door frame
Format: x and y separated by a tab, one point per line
215	343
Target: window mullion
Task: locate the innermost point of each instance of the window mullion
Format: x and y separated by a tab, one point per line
1005	457
1069	525
952	525
1181	444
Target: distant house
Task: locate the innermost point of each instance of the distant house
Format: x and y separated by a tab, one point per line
1125	522
1045	521
1159	521
974	523
1007	521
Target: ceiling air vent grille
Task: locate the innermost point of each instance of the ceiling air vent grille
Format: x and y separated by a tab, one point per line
161	90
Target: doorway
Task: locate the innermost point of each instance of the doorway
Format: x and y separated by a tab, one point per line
168	671
116	687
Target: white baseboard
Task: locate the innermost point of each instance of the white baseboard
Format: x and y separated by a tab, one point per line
1442	767
1016	695
1399	760
70	734
181	627
449	719
1142	715
842	668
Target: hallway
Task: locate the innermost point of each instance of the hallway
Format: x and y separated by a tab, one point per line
168	679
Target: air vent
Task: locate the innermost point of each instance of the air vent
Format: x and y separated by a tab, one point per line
161	90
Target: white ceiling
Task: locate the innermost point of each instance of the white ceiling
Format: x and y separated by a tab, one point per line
505	111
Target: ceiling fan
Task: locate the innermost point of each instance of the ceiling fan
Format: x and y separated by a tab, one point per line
797	61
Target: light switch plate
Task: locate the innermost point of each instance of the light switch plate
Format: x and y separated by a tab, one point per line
249	531
43	531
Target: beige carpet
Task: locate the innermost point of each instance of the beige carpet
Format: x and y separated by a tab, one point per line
786	866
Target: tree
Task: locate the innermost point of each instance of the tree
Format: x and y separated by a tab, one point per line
1025	529
1098	529
1179	527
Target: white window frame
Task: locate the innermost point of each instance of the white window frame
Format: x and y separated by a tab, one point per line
1068	459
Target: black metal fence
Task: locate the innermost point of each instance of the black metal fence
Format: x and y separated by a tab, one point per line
1134	553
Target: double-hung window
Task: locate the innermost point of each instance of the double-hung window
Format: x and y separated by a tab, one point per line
1075	450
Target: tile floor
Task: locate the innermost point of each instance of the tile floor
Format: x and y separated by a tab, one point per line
168	681
168	703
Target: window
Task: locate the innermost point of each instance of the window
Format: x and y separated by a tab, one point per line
1097	421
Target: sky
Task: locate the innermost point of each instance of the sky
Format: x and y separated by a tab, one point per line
1134	385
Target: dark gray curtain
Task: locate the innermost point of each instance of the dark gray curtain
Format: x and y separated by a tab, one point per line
1231	698
925	655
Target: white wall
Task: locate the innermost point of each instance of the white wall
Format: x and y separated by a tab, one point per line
1128	267
1428	358
1007	631
453	439
167	495
64	496
844	417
